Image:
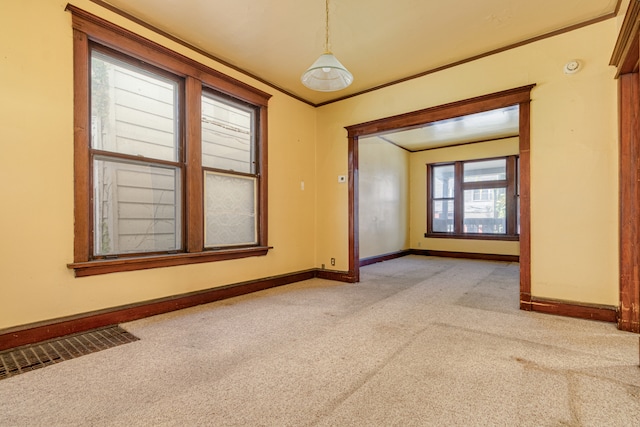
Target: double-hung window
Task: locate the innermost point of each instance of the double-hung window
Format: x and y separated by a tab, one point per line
473	199
170	156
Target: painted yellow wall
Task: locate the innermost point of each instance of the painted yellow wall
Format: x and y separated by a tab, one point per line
383	197
502	147
573	155
36	176
573	187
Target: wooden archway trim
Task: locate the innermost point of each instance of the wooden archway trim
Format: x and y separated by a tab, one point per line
518	96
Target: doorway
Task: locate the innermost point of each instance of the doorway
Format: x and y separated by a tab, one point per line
419	119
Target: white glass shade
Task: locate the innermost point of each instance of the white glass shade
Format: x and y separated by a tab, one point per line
327	74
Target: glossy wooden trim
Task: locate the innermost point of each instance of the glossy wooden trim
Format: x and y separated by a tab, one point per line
520	96
194	209
263	174
354	196
525	204
509	183
195	48
477	57
418	118
372	89
93	32
123	40
29	334
82	183
602	313
336	276
473	236
384	257
625	52
629	195
105	266
465	255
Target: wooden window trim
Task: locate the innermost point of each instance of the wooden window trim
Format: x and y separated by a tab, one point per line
88	29
460	186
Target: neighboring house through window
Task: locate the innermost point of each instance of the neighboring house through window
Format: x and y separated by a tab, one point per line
170	156
476	198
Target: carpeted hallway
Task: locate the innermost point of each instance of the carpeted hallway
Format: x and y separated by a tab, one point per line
419	341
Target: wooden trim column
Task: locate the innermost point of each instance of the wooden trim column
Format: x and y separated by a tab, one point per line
525	207
629	312
625	57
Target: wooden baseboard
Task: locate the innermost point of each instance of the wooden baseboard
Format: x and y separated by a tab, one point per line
42	331
385	257
467	255
602	313
338	276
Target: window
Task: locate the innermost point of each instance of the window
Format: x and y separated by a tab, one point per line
170	156
473	199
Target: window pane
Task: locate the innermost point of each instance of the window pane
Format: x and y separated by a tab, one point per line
230	210
227	135
487	170
485	216
443	180
133	111
442	216
137	208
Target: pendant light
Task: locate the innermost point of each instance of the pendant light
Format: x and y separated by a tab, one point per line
327	74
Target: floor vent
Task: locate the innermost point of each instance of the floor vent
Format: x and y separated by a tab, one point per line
24	359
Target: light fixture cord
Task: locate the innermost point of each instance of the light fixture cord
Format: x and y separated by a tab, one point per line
326	32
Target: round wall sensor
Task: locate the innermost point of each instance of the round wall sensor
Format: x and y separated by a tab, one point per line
571	66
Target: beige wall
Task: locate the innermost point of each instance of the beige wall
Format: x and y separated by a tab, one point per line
36	172
573	169
383	197
574	213
503	147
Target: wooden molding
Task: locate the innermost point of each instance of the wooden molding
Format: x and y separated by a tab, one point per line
385	257
418	118
602	313
466	255
520	95
42	331
629	195
525	301
625	52
338	276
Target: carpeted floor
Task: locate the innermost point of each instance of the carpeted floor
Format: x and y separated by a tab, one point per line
419	341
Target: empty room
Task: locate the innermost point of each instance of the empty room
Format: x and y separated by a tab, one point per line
329	212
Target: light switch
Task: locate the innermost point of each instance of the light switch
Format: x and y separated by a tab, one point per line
342	178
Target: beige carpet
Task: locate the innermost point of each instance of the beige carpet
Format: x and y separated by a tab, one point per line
420	341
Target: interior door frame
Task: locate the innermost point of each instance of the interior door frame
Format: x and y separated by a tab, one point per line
520	96
626	59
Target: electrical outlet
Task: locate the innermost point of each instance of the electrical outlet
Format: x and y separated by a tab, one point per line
333	261
322	266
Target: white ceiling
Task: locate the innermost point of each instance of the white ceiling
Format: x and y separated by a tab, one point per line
485	126
379	41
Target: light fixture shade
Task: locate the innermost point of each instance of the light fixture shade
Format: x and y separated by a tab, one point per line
327	74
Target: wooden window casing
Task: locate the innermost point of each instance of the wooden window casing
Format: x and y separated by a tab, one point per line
509	184
91	32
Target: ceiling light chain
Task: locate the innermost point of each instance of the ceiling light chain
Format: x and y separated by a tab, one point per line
327	74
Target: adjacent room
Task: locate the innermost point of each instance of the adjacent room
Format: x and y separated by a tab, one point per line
326	212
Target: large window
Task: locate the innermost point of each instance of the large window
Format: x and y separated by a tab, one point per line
170	156
473	199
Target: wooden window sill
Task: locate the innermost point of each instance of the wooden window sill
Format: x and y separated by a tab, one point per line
105	266
475	236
